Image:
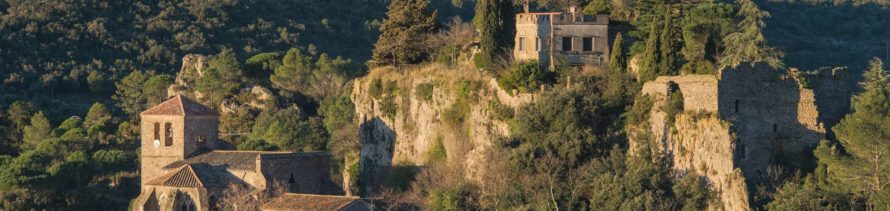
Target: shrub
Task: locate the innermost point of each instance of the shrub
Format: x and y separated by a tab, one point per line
437	151
424	91
525	77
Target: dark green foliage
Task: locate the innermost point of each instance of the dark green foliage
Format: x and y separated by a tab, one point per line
98	117
856	163
596	7
650	56
257	145
404	33
221	78
112	160
619	83
261	66
496	20
36	132
704	27
675	105
288	129
747	43
98	82
338	112
525	77
129	93
669	47
155	89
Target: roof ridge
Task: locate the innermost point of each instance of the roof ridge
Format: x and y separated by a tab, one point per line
181	104
322	195
195	175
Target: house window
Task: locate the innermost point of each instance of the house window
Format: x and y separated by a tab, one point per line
157	131
168	134
522	43
588	44
537	44
567	44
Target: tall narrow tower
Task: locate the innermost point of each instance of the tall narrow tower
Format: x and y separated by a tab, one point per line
172	131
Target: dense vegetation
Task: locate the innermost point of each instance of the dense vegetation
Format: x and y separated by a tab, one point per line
76	74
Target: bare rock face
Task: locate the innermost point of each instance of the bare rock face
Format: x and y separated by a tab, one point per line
401	127
192	69
261	97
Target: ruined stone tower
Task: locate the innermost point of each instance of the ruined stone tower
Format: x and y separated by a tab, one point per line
174	130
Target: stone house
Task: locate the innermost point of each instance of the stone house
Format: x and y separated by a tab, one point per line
568	38
185	167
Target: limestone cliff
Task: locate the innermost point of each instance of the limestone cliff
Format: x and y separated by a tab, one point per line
403	113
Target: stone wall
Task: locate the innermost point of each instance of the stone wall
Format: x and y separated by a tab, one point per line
742	121
550	28
310	171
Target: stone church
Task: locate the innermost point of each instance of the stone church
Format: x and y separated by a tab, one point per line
185	167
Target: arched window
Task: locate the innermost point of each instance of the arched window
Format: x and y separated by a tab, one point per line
168	134
187	204
742	151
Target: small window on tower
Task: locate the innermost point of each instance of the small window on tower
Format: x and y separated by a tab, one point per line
537	44
168	134
521	43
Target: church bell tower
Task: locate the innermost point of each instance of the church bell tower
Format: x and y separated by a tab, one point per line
174	130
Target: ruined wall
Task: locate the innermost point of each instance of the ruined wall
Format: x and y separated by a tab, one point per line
406	136
743	120
300	168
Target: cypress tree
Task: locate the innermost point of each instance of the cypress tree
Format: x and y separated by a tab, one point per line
858	164
649	62
668	57
747	43
617	65
403	35
496	21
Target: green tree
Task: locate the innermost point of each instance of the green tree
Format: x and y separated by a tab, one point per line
221	78
98	82
261	66
747	43
97	118
668	49
129	93
295	72
36	132
596	7
617	80
288	129
404	33
495	20
650	58
155	89
858	161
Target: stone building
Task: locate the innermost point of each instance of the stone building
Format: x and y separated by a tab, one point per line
738	125
185	167
571	38
311	202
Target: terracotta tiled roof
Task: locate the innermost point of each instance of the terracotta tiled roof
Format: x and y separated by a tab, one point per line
300	202
196	175
237	160
180	106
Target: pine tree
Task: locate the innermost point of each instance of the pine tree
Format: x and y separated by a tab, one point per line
97	117
747	43
496	21
860	162
129	94
294	72
36	132
649	61
155	89
404	33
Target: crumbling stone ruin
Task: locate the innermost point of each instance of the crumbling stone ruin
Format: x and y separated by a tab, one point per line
737	125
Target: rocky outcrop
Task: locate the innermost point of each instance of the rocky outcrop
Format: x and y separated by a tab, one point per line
400	125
